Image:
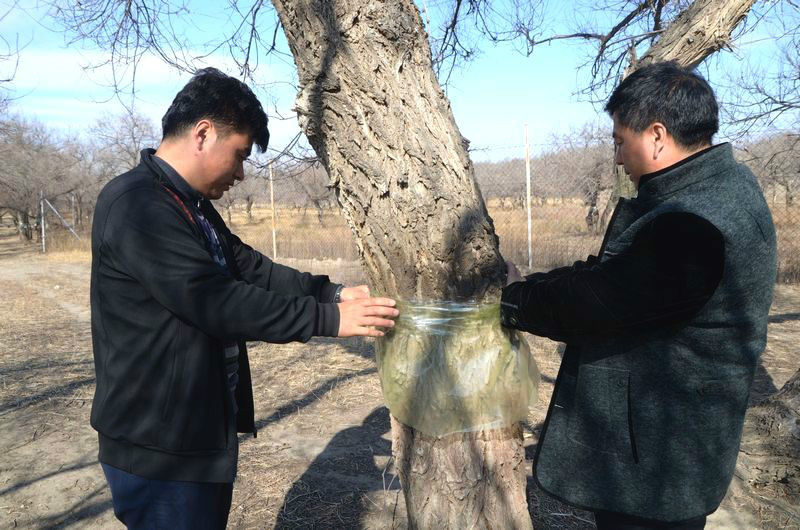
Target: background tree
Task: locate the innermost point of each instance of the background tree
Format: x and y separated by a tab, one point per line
122	137
34	163
9	60
775	160
583	155
253	188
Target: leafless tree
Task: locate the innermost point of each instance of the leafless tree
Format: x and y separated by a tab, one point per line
34	163
122	137
766	91
9	59
582	165
251	190
775	160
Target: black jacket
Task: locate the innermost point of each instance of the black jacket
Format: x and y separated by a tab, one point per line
162	309
664	329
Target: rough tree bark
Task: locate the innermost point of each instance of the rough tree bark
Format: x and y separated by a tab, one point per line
769	456
373	110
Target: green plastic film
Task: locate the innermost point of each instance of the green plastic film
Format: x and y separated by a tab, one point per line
451	367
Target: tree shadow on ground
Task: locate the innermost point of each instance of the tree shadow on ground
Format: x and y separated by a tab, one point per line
353	345
31	481
309	398
49	393
78	512
29	366
331	493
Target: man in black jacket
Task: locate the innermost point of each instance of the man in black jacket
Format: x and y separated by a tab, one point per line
174	297
664	327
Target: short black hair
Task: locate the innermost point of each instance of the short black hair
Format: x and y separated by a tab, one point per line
224	100
664	92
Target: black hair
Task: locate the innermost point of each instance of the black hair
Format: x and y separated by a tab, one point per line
227	102
665	92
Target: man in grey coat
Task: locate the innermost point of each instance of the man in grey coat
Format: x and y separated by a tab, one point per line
664	327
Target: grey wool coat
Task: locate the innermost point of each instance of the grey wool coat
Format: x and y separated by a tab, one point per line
648	423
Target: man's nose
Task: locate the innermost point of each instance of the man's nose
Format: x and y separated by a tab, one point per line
239	175
617	156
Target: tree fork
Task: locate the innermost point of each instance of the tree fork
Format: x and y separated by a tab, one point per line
373	111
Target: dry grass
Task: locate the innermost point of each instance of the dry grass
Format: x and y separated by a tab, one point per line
559	236
301	233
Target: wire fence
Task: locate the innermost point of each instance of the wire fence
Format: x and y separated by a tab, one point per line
548	212
568	207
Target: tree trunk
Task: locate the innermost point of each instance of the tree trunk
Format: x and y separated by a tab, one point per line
769	457
25	228
700	30
373	110
249	208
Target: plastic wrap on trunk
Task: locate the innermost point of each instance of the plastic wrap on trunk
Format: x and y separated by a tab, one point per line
451	367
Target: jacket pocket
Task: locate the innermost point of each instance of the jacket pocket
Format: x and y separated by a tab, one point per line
175	373
600	416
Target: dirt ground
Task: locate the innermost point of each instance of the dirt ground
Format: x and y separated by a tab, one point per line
322	458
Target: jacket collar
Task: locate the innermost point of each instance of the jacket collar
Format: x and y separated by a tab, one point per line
691	170
166	171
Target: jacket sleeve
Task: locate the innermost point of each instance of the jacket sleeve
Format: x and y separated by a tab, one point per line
258	269
666	276
578	265
148	238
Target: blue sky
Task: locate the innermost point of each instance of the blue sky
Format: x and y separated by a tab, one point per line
492	97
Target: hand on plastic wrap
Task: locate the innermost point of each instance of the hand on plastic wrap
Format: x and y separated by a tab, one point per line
354	293
360	317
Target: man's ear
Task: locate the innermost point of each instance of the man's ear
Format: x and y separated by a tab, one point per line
201	133
659	135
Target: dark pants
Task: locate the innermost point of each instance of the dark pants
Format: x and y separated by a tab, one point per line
169	504
618	521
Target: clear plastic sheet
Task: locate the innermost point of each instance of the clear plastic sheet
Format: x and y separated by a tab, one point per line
451	367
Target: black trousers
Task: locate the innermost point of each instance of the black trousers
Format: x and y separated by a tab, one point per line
618	521
142	503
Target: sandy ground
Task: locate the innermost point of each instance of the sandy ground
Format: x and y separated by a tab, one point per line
322	458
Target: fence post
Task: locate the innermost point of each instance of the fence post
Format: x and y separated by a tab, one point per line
528	198
72	207
41	220
272	205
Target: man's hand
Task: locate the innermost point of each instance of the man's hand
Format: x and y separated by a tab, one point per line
358	317
354	293
513	273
